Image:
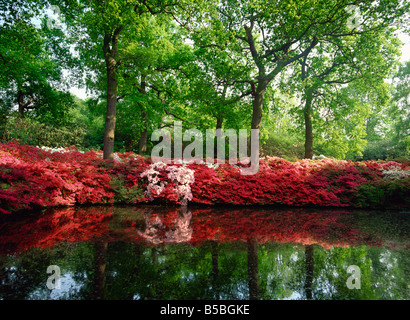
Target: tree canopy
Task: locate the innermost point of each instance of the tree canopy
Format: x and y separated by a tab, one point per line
309	72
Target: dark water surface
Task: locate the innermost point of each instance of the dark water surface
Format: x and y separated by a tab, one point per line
153	252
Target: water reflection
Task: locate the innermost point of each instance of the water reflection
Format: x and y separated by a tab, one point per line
170	253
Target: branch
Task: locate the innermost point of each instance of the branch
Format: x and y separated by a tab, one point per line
164	9
341	81
328	70
212	45
250	40
284	63
160	90
121	97
31	107
114	41
247	93
179	118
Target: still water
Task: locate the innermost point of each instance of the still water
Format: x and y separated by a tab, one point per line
153	252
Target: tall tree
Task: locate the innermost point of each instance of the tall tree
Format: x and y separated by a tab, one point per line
150	78
33	57
274	35
366	59
399	110
103	29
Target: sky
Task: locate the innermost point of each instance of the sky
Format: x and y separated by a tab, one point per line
406	48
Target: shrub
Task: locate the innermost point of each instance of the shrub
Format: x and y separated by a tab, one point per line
33	177
33	133
384	193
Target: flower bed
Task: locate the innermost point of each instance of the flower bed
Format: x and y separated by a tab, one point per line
32	177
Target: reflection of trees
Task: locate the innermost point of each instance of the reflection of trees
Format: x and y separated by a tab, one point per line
391	272
209	271
253	269
215	267
100	264
22	276
215	264
309	271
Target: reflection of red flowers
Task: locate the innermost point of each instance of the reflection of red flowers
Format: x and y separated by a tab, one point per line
68	224
291	226
161	226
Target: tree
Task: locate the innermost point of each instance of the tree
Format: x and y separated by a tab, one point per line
387	126
219	83
273	36
103	30
33	58
399	111
151	82
362	62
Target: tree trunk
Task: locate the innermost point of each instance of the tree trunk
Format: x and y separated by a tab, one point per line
142	148
308	125
219	122
110	118
257	105
20	102
110	49
23	106
309	271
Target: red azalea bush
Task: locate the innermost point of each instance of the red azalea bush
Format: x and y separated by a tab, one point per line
33	177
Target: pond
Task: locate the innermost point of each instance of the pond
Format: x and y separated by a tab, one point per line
158	252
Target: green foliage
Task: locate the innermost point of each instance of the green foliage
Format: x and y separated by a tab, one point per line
33	58
387	149
384	193
388	132
282	146
200	62
34	133
122	194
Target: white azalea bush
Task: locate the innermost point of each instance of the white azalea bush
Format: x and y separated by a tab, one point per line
180	176
154	182
395	172
71	149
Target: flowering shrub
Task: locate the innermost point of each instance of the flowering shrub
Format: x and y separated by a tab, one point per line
182	179
179	177
154	181
33	177
395	172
